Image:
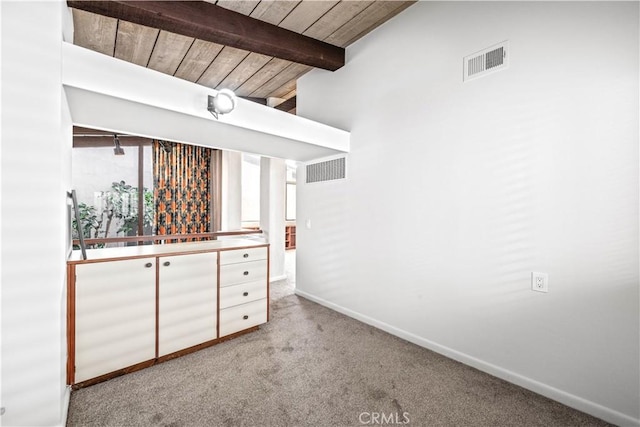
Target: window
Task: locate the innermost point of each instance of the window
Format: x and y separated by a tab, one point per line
129	186
111	189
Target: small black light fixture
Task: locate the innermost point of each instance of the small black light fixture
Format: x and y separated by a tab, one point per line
222	103
118	151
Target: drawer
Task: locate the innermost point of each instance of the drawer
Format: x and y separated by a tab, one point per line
241	317
243	255
234	274
243	293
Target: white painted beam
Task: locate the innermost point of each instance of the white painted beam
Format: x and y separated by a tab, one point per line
110	94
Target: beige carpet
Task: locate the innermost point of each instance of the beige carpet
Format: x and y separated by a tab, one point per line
311	366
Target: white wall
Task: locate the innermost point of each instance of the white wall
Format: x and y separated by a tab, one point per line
35	168
250	189
457	191
272	187
231	190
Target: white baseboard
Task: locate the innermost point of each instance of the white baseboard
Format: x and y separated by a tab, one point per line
276	278
553	393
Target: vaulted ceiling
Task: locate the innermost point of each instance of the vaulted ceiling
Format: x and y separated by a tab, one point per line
257	48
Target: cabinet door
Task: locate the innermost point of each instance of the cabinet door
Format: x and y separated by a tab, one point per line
115	316
187	313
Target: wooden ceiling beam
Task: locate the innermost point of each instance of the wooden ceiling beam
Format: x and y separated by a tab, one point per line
206	21
262	101
288	105
84	141
88	137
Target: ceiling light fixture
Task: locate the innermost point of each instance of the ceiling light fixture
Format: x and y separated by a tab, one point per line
118	151
222	103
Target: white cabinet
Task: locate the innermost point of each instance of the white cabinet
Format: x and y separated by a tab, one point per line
244	288
115	316
187	301
132	307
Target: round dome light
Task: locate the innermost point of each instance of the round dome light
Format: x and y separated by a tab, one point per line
224	102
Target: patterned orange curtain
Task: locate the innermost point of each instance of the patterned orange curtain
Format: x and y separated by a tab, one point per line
182	194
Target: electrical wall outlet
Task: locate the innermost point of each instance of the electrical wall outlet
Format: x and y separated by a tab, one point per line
539	282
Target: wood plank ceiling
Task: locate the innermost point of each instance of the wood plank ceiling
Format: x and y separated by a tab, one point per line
250	74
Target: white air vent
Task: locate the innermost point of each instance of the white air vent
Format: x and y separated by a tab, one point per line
327	171
486	61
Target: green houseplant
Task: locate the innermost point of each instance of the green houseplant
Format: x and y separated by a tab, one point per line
119	203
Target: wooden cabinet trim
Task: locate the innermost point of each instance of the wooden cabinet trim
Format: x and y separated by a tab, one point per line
157	307
114	374
71	324
218	297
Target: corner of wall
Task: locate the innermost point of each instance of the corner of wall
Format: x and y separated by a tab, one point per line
67	22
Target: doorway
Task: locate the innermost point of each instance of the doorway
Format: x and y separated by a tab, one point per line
280	190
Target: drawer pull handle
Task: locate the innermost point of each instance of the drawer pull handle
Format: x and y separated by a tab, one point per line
245	317
245	294
167	263
245	256
246	273
148	265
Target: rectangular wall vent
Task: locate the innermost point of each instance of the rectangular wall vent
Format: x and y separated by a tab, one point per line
486	61
327	171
